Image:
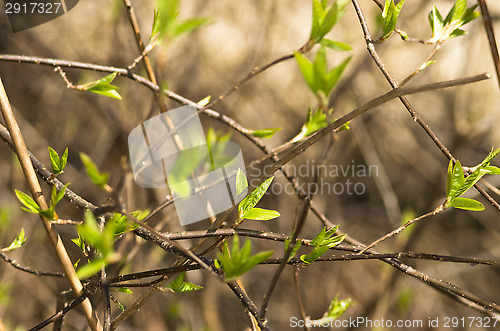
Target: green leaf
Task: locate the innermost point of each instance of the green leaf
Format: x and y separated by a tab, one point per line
449	178
322	243
17	243
307	70
125	290
436	21
333	76
190	25
54	161
457	180
90	268
155	31
314	122
337	308
390	17
57	196
103	86
335	45
98	178
119	305
324	18
467	204
316	252
79	242
458	10
179	285
253	198
240	261
241	182
492	170
203	102
29	204
491	155
260	214
48	213
318	13
470	14
265	133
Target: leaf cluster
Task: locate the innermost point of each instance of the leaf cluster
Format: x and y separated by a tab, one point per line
457	184
449	27
322	243
239	261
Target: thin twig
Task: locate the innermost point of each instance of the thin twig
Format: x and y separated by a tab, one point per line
18	266
142	50
402	227
488	26
36	192
376	58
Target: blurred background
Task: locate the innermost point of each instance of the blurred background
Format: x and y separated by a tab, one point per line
407	177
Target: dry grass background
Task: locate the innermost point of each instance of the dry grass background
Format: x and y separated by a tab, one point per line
245	34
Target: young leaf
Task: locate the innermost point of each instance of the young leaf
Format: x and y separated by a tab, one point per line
241	182
253	198
179	285
335	45
467	204
457	180
55	161
98	178
307	69
333	76
314	122
125	290
190	25
322	243
103	86
90	268
155	31
337	308
29	204
55	198
203	102
260	214
17	243
265	133
390	17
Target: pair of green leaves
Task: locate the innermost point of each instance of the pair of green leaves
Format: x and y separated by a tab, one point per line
322	243
239	261
316	121
324	18
167	27
31	206
318	77
246	208
102	86
390	17
457	184
179	285
102	240
58	163
449	27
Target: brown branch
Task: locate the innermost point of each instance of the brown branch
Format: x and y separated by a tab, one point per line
488	26
378	61
36	192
